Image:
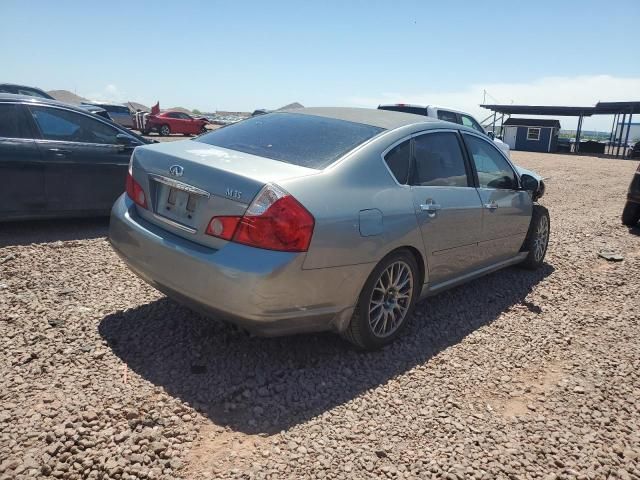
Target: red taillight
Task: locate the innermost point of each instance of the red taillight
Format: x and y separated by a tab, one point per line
274	221
135	191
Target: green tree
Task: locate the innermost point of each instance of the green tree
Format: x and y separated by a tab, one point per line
196	111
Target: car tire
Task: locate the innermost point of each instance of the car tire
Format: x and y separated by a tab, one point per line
631	214
204	130
537	239
386	302
165	130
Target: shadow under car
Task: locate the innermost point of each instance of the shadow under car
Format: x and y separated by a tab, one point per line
254	384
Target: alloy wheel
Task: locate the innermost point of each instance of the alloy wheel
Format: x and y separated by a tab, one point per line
542	237
390	299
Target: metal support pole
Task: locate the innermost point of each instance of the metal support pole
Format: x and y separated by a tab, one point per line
493	125
612	136
577	147
624	119
626	139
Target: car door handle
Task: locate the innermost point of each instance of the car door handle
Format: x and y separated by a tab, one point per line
491	206
59	152
430	207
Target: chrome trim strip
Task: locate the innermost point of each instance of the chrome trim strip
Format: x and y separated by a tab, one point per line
180	185
175	224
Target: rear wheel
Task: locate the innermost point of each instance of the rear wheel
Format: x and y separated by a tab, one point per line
631	214
537	238
385	303
165	131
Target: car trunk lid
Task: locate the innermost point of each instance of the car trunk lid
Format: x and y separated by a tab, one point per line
187	183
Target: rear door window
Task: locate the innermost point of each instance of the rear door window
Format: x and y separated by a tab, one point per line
438	161
448	116
299	139
12	122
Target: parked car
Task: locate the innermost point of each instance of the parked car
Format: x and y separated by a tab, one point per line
59	160
96	111
166	123
24	90
635	151
631	212
325	219
121	114
447	115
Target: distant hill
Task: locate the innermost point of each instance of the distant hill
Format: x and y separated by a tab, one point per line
67	97
291	106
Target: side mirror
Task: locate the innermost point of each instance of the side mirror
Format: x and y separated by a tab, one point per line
529	183
491	135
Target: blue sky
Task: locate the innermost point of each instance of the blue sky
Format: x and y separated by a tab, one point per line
245	55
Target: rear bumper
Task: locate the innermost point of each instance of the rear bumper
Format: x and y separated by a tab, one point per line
264	291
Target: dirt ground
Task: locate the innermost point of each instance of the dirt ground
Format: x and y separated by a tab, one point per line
516	375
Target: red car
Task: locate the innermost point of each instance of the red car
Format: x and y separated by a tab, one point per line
166	123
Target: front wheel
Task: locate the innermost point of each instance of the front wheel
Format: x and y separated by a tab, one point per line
537	238
631	214
385	303
165	131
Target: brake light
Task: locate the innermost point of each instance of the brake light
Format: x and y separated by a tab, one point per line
274	221
135	191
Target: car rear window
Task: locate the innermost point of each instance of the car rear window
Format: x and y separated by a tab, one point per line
404	109
304	140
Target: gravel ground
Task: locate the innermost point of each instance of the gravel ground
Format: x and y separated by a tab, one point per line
516	375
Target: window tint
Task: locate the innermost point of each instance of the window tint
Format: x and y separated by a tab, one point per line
296	138
11	122
184	116
56	124
438	161
470	122
398	160
493	169
173	115
447	116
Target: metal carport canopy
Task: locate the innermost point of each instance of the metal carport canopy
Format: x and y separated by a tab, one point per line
542	110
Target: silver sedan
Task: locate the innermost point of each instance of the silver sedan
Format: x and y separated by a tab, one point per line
325	219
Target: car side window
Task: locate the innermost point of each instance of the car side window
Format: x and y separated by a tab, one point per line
398	160
438	161
467	121
64	125
493	169
12	123
447	116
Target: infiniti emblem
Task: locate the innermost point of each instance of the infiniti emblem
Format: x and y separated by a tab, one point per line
176	170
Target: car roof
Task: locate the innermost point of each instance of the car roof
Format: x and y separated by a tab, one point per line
368	116
437	107
97	102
